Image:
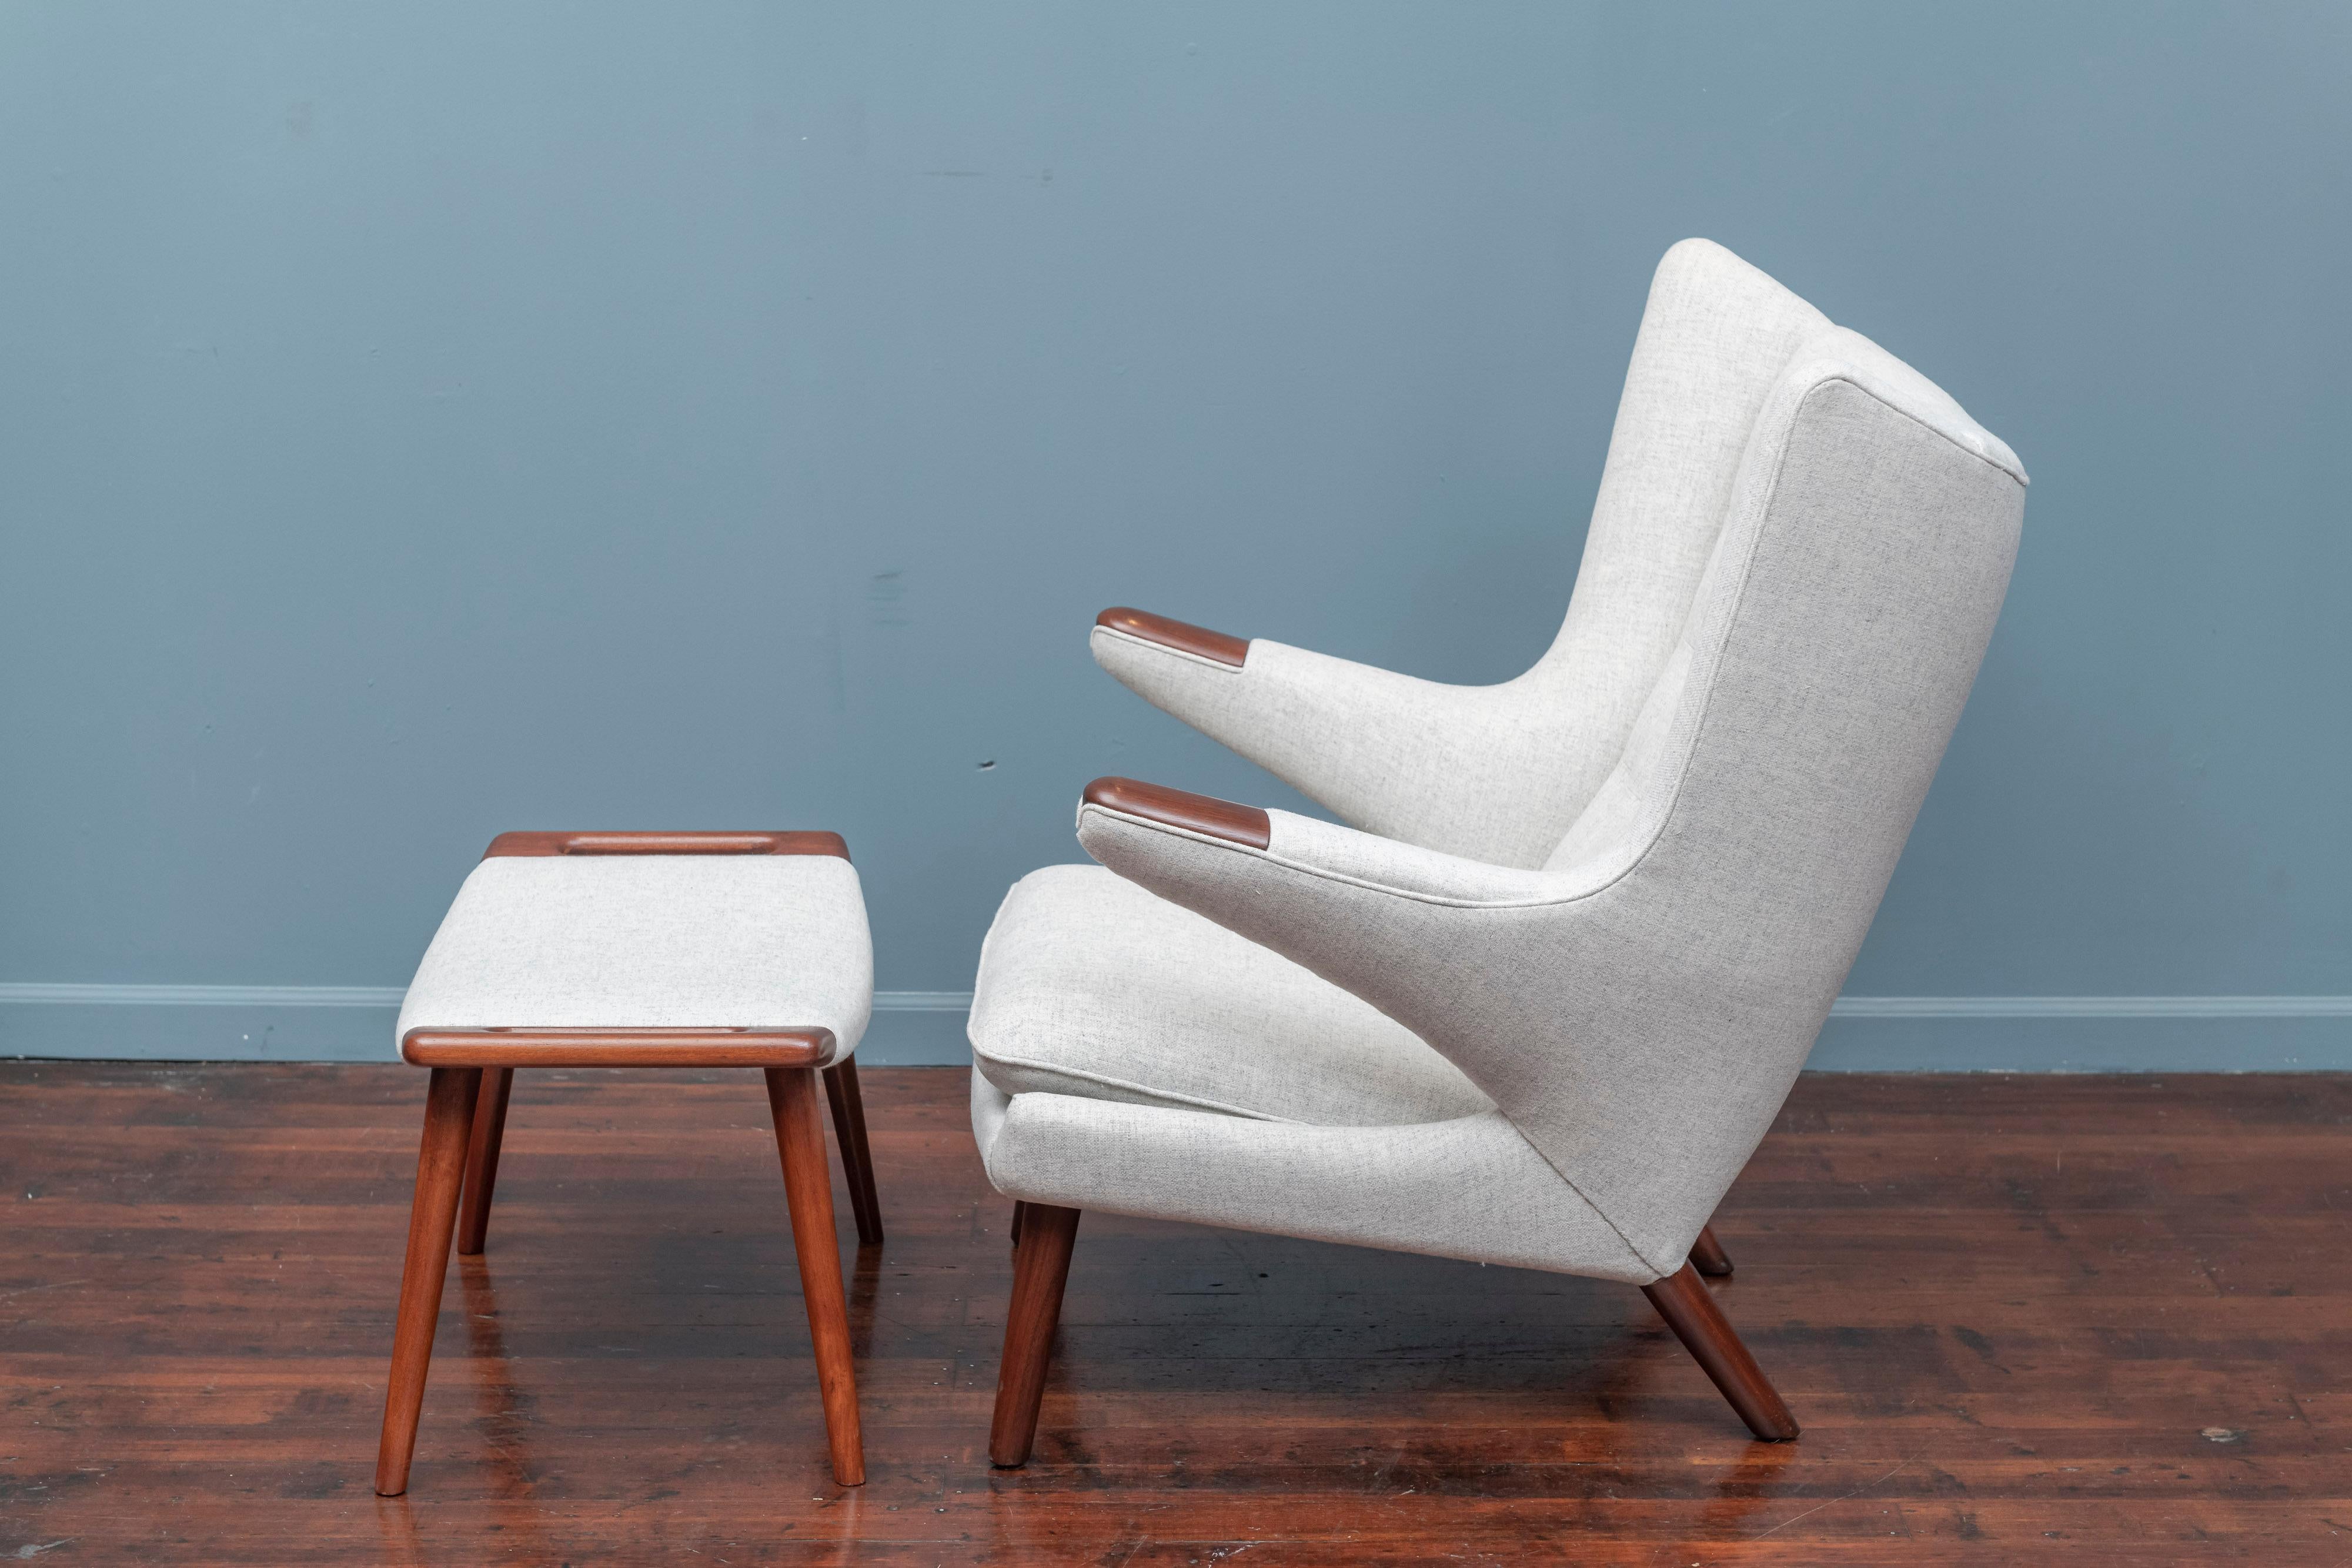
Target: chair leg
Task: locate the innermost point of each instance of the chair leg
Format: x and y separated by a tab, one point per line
1692	1313
1020	1212
1041	1268
857	1155
440	1165
1707	1256
482	1158
808	1191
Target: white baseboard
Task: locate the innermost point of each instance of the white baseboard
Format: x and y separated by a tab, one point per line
349	1023
2091	1008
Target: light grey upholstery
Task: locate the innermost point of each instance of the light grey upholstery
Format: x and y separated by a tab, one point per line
650	942
1096	987
1499	772
1617	894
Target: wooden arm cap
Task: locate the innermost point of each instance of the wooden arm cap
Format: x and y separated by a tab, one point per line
1203	814
1180	635
746	843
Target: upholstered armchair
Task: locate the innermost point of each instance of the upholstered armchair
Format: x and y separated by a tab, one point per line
1541	997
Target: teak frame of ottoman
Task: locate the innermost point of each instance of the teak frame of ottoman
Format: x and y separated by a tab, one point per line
465	1122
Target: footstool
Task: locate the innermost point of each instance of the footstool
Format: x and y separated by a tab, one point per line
640	950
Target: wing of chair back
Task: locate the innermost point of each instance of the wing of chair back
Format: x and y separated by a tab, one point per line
1499	772
1639	1003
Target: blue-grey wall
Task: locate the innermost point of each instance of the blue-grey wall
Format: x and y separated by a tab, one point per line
425	420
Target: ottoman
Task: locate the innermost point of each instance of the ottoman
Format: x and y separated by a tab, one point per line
640	950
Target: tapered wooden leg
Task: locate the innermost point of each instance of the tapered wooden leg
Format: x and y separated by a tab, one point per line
808	1191
856	1157
1020	1212
1041	1268
1683	1300
482	1158
1706	1254
440	1167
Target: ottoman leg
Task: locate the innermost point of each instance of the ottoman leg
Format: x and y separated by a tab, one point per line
808	1191
440	1165
482	1159
857	1158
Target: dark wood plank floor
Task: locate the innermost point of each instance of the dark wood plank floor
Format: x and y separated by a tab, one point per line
2022	1319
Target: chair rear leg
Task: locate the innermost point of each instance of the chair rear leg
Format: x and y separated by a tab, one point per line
1041	1266
1019	1209
1707	1256
857	1155
482	1158
1683	1300
433	1213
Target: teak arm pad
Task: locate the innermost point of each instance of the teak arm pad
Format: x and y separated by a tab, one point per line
744	843
1183	636
1202	814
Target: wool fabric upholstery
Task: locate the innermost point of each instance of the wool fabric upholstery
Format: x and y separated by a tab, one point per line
650	942
1094	987
1468	1187
1635	985
1499	772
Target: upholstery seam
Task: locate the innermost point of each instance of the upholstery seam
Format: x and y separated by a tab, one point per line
1582	1197
1935	430
1631	1250
1739	600
1730	621
991	1145
1437	898
1268	856
1166	1099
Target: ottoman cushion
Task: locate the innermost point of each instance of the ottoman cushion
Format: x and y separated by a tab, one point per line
624	942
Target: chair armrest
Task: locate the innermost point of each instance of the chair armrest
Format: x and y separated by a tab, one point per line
1203	814
1141	831
1449	947
1410	759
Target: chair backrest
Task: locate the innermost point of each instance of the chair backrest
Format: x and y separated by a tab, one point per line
1734	857
1715	337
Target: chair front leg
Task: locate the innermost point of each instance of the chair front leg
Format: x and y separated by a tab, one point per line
1041	1268
856	1155
1683	1300
482	1158
808	1191
449	1099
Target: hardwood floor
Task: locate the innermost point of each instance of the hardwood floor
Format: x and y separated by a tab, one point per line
2088	1320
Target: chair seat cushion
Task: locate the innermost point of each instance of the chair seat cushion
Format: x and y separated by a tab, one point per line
1092	986
618	942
